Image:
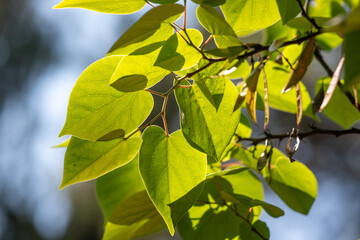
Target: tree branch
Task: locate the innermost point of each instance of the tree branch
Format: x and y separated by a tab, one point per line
301	135
311	20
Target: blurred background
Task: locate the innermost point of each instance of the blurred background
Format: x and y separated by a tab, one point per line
42	53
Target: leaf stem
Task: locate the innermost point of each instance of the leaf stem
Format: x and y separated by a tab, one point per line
155	93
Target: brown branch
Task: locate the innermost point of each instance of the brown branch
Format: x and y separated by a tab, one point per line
311	20
301	135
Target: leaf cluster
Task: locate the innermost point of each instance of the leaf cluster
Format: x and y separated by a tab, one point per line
149	179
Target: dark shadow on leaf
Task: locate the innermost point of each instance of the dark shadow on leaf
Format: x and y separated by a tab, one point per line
187	201
118	133
130	83
147	49
168	57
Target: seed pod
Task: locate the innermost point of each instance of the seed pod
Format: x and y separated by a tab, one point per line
250	98
301	65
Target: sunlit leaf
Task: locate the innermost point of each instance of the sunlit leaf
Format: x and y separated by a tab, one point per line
172	172
288	9
250	15
86	160
177	54
212	21
340	109
206	127
96	109
149	32
130	76
105	6
293	182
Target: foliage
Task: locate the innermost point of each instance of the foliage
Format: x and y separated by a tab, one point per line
149	179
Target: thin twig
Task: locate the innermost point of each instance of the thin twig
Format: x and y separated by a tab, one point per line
301	135
155	93
311	20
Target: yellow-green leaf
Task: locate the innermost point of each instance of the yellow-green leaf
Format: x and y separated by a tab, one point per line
86	160
172	172
105	6
96	109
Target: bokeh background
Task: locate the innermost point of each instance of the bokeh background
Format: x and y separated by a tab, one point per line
42	53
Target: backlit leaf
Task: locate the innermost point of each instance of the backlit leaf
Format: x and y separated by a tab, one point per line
352	58
206	127
293	182
86	160
177	54
212	21
340	109
288	9
130	75
250	15
172	172
96	109
149	32
105	6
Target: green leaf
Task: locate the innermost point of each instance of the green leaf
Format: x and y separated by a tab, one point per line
96	109
172	172
246	232
211	3
225	52
163	1
340	109
293	182
279	31
212	21
177	54
328	41
206	223
352	58
288	9
118	189
105	6
277	76
211	85
63	144
149	32
86	160
132	76
137	208
211	222
117	185
205	127
244	127
250	15
326	8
